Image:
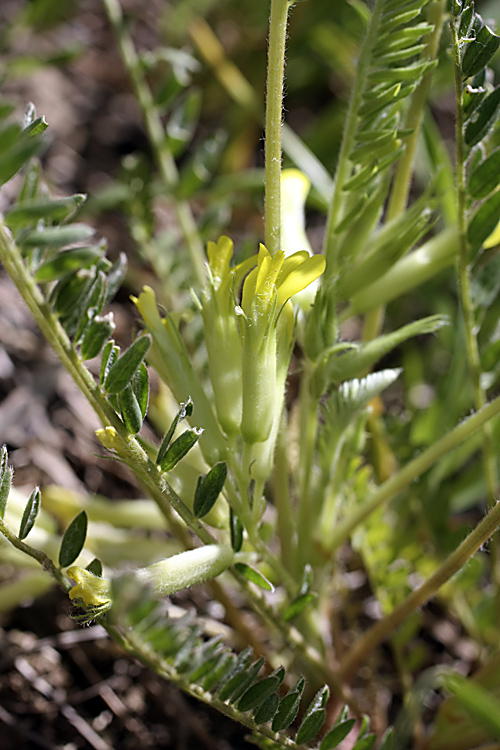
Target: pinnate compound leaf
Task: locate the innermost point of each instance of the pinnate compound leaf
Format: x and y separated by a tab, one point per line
73	540
123	370
209	489
337	734
30	513
314	718
180	448
479	51
254	576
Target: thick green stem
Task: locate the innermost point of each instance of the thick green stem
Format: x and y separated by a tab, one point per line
274	109
420	596
414	469
156	135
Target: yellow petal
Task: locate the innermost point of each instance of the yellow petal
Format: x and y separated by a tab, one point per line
494	238
219	257
92	590
300	277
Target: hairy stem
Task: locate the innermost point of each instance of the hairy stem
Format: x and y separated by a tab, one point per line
274	108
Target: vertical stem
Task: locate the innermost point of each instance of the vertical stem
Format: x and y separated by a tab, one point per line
156	135
471	343
274	108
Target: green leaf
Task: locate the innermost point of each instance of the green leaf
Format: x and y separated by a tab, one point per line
238	665
288	707
337	734
141	388
97	334
483	119
484	221
479	51
267	710
5	480
209	489
254	576
485	177
387	742
73	540
123	370
365	743
13	158
109	356
67	261
354	363
236	530
222	668
130	410
479	703
261	690
95	567
36	127
115	276
58	236
466	17
239	683
185	410
183	120
30	513
299	605
180	448
314	717
27	211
